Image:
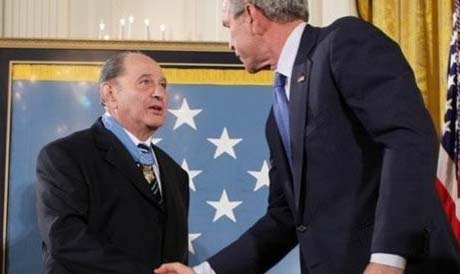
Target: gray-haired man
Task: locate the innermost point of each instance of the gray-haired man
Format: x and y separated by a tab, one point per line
108	200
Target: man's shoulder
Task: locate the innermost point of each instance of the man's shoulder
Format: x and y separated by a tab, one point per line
352	26
348	22
353	31
72	143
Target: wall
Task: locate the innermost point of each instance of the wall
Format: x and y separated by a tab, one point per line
189	20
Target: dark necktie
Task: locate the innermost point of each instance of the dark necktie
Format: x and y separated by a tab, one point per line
281	112
146	164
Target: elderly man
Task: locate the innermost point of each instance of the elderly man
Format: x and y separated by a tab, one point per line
108	200
353	151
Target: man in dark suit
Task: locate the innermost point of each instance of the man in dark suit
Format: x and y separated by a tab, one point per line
109	201
353	151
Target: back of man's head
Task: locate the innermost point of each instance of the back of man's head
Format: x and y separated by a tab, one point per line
275	10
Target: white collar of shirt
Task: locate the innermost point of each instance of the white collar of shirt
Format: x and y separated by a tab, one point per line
136	141
289	53
133	138
148	143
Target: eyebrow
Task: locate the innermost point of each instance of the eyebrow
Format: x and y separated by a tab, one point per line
144	75
162	78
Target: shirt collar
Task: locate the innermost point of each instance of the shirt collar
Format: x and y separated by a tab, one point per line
133	138
289	52
136	141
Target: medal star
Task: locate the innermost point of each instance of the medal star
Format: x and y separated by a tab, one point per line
191	174
224	207
192	237
224	144
185	115
261	176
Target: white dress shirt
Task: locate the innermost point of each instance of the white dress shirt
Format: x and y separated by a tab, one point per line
285	66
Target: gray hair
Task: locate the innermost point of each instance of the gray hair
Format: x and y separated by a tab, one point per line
276	10
114	66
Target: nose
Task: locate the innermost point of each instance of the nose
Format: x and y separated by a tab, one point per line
159	92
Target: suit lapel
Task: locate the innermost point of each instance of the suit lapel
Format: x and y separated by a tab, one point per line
118	156
280	159
175	207
298	106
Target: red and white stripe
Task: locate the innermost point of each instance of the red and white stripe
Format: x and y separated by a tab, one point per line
447	187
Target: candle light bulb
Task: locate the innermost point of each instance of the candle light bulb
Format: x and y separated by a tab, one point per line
130	22
147	28
163	31
122	28
100	34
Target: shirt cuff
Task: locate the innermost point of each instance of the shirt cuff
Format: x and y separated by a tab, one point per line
388	259
380	258
203	268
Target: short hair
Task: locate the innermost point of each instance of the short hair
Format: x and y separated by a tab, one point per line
114	66
276	10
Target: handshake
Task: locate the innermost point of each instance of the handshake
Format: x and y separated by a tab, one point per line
174	268
178	268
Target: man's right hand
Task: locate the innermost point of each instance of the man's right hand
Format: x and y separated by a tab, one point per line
173	268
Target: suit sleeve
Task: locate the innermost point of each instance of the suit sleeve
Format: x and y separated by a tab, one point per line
62	209
378	85
266	242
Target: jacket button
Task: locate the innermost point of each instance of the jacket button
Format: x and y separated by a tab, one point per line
301	228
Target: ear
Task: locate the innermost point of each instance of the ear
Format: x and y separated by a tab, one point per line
107	92
257	19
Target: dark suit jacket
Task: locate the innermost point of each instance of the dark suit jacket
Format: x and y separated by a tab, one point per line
96	213
363	164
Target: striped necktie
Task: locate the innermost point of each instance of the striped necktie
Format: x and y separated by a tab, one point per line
146	163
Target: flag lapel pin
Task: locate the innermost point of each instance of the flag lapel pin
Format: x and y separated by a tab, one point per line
301	79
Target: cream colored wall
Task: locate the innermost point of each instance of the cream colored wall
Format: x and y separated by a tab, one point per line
189	20
36	18
333	9
2	2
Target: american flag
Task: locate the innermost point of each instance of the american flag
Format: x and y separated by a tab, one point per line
448	175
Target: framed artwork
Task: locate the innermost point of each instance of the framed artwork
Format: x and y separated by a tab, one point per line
49	89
